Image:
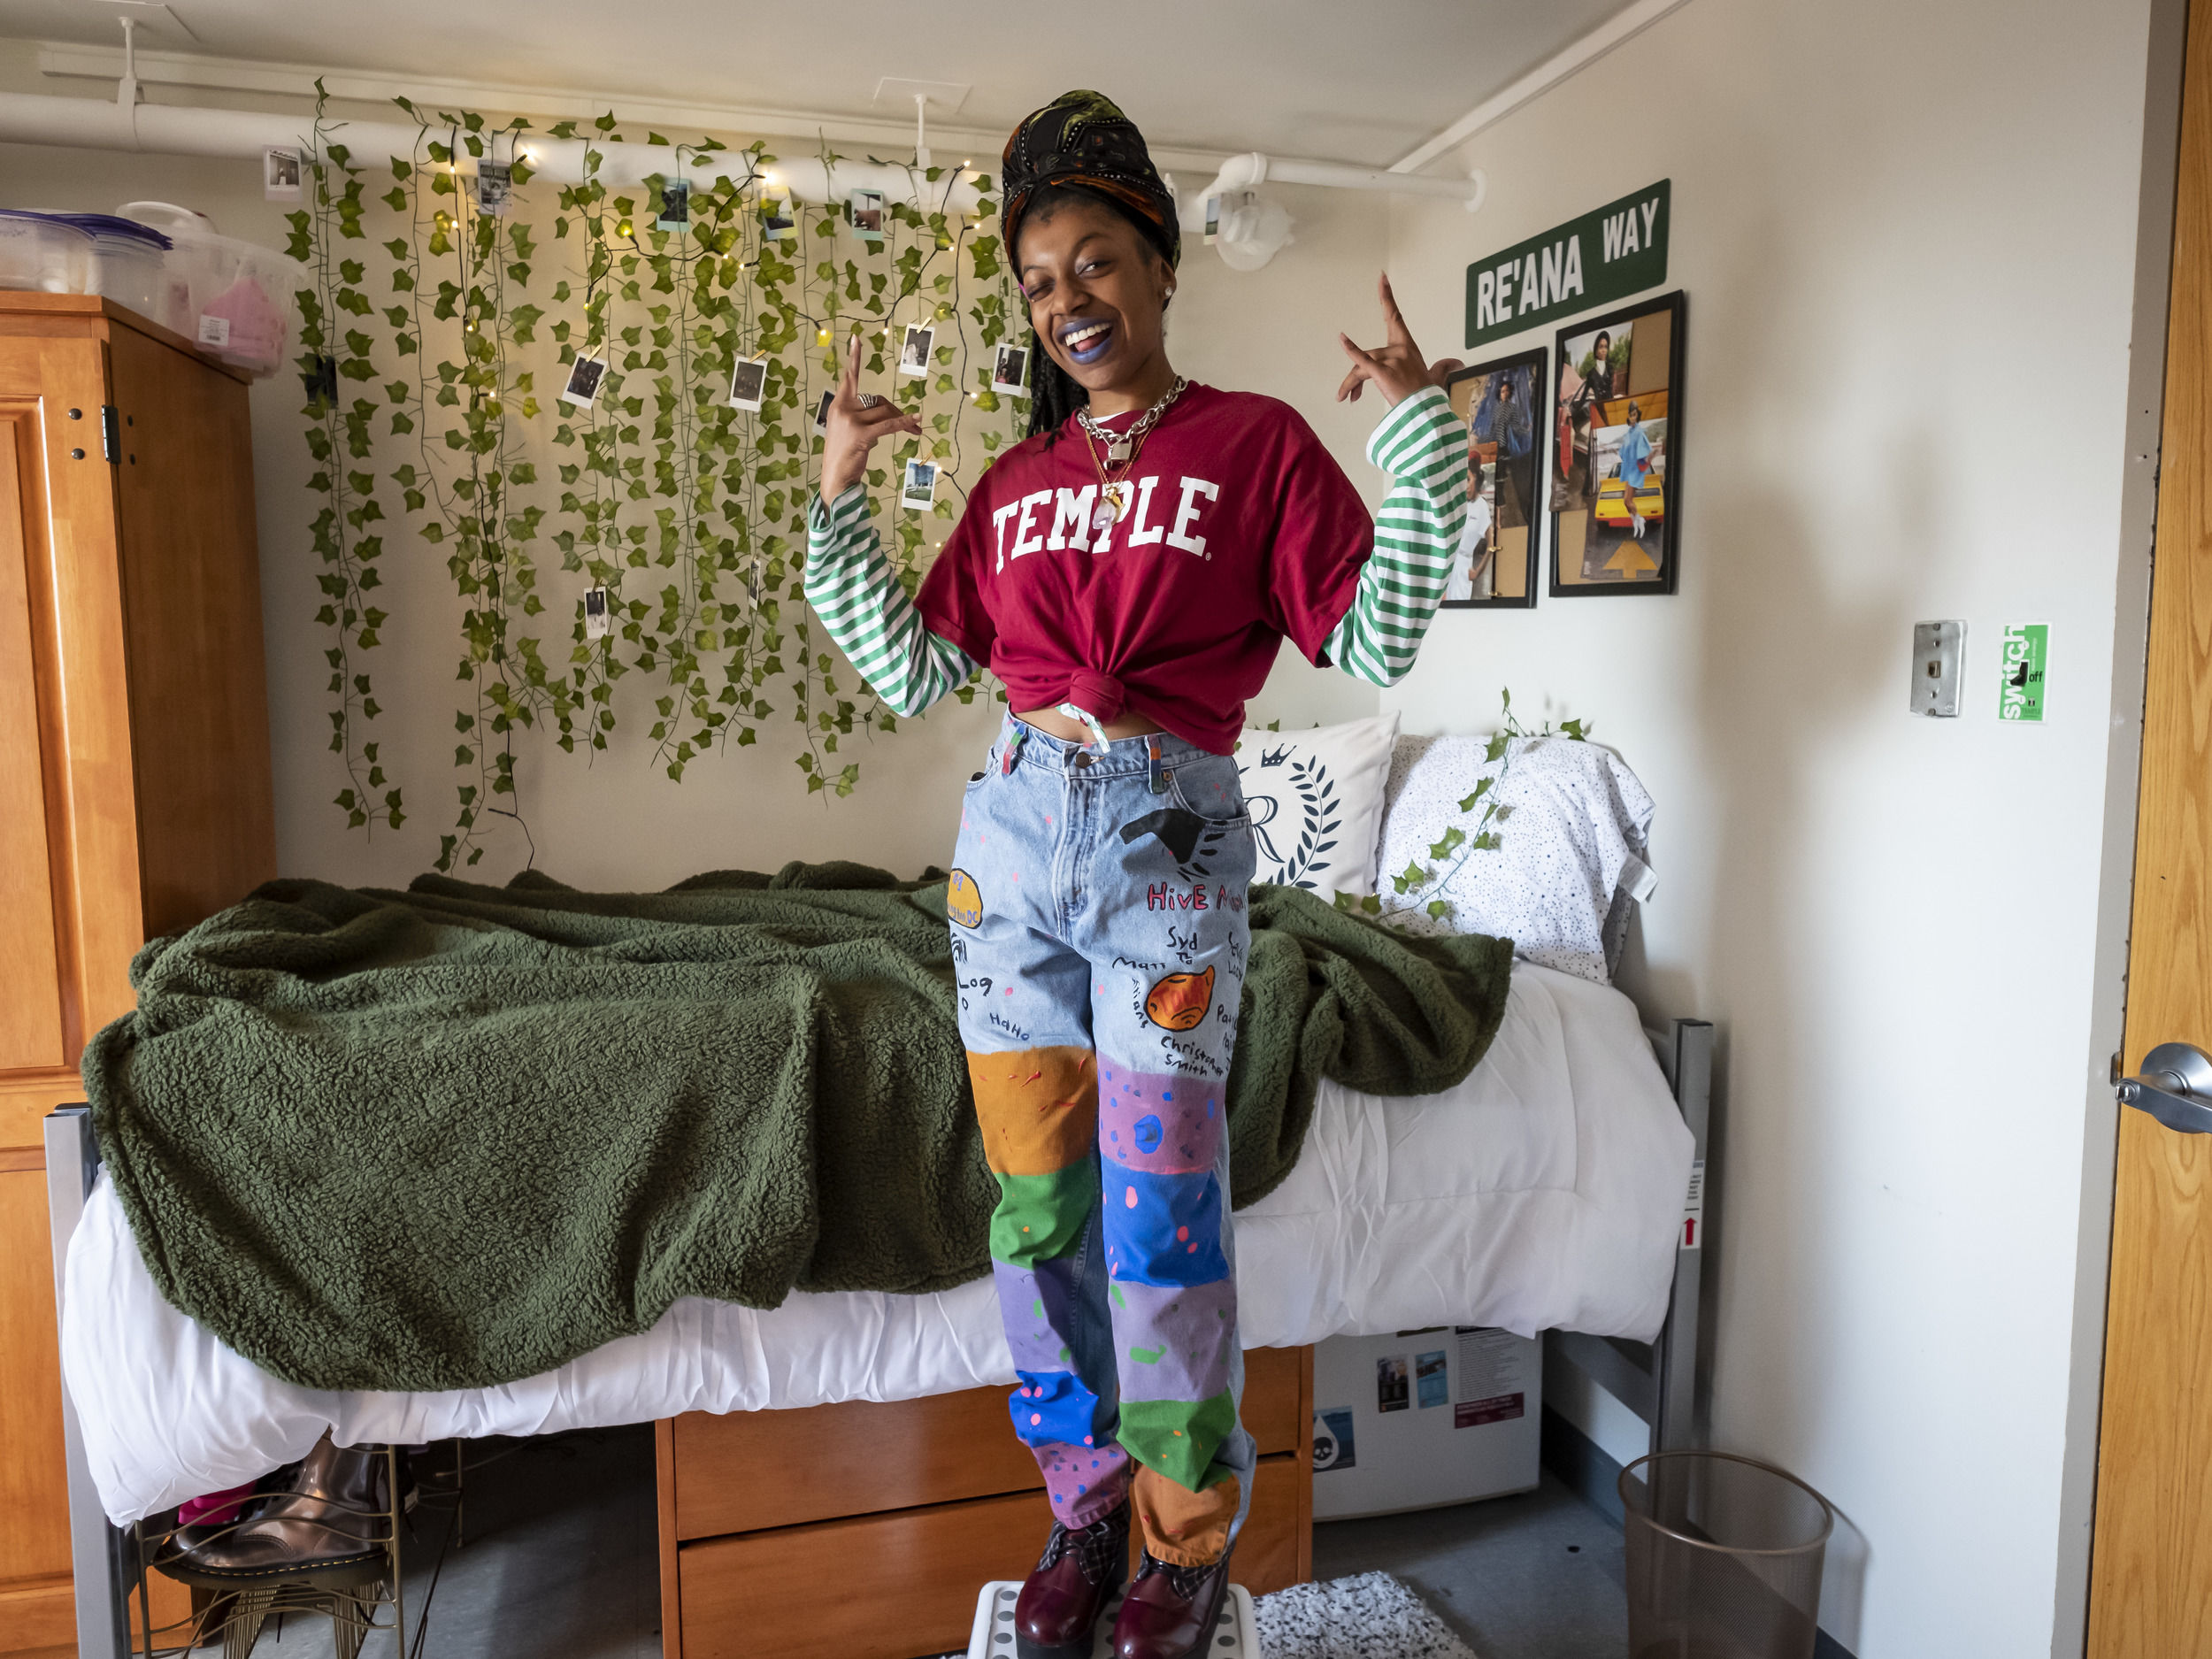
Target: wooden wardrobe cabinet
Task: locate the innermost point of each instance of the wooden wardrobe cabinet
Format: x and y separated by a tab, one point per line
134	795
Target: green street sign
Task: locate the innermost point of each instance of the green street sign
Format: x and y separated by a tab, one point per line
2022	659
1607	255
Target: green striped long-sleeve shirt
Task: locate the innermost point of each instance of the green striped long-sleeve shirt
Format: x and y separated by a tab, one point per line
1420	443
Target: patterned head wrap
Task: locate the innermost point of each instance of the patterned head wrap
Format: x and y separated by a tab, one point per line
1081	140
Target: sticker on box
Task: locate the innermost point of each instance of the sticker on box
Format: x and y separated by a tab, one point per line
1391	1393
1431	1374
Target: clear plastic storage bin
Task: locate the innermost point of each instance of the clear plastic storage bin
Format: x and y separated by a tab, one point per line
127	260
233	299
44	255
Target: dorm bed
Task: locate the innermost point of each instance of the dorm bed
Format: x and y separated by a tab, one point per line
1545	1192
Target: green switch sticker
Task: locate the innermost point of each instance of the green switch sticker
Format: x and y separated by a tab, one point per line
2021	660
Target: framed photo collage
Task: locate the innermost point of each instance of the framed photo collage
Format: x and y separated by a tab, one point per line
1574	473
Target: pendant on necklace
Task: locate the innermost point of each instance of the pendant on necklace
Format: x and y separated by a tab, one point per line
1117	450
1112	504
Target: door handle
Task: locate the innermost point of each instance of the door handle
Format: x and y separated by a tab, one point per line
2176	1088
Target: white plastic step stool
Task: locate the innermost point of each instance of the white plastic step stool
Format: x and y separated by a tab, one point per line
1236	1637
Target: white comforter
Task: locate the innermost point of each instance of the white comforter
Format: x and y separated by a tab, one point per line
1544	1190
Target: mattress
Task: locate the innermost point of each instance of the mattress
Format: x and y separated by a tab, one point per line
1545	1191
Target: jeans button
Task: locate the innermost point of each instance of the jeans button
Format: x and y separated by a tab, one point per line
1083	761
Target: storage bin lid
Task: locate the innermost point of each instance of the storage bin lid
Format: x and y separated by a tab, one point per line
107	228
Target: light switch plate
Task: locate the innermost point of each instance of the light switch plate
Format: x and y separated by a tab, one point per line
1938	658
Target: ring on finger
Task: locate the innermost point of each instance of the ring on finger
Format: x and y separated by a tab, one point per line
869	400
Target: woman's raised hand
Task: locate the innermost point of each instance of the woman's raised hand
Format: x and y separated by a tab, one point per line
1396	366
855	424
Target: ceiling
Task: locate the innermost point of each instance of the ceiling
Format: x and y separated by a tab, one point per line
1321	78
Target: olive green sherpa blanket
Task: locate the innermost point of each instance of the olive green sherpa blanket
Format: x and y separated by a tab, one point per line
454	1136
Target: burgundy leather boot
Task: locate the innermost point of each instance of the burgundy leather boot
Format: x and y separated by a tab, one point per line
1075	1579
1170	1612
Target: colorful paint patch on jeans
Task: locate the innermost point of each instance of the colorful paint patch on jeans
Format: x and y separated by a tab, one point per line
1053	1406
1190	1339
1158	1121
1177	1437
1189	1528
1162	1229
1042	1216
1038	1107
1086	1483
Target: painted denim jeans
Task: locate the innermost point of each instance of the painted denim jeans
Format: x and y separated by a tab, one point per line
1100	931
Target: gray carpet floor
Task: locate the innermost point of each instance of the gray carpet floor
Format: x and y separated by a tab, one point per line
559	1557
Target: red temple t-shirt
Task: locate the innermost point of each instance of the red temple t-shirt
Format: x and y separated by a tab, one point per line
1241	530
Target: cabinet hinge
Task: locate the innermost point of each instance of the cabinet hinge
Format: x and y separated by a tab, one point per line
110	435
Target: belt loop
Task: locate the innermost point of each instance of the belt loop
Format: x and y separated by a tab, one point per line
1152	765
1013	748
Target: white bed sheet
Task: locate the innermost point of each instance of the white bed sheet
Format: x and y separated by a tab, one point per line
1544	1190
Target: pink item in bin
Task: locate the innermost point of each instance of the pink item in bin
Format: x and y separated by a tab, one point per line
242	324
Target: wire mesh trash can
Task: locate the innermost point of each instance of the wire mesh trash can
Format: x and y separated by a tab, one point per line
1724	1557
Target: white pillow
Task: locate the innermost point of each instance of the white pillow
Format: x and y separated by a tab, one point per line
1316	798
1570	858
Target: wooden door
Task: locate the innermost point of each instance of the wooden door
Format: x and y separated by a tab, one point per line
2150	1565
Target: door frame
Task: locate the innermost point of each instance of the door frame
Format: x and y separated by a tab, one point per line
2166	41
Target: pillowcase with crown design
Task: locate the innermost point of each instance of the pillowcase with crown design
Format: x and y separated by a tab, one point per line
1316	797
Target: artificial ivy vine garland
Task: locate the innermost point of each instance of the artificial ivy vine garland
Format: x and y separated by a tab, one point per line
691	514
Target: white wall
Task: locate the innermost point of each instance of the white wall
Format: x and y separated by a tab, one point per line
1909	235
616	818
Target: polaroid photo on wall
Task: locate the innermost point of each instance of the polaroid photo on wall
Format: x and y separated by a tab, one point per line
598	614
675	213
867	208
920	492
914	354
1009	370
776	222
1213	219
584	376
821	412
748	383
280	175
494	187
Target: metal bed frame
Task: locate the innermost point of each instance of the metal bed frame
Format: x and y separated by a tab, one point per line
1656	1380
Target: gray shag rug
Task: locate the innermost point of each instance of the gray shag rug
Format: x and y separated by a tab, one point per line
1371	1617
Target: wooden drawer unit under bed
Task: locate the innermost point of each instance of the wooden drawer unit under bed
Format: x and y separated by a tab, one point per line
902	1511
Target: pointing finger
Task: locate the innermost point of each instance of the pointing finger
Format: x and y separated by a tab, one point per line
1393	319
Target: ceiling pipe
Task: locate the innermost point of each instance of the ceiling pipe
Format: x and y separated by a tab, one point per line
1251	170
171	129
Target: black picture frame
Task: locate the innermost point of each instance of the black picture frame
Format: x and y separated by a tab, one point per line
1516	488
1595	546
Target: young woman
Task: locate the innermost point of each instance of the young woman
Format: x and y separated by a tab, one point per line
1127	573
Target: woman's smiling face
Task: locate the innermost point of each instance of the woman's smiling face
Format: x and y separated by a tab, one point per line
1097	291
